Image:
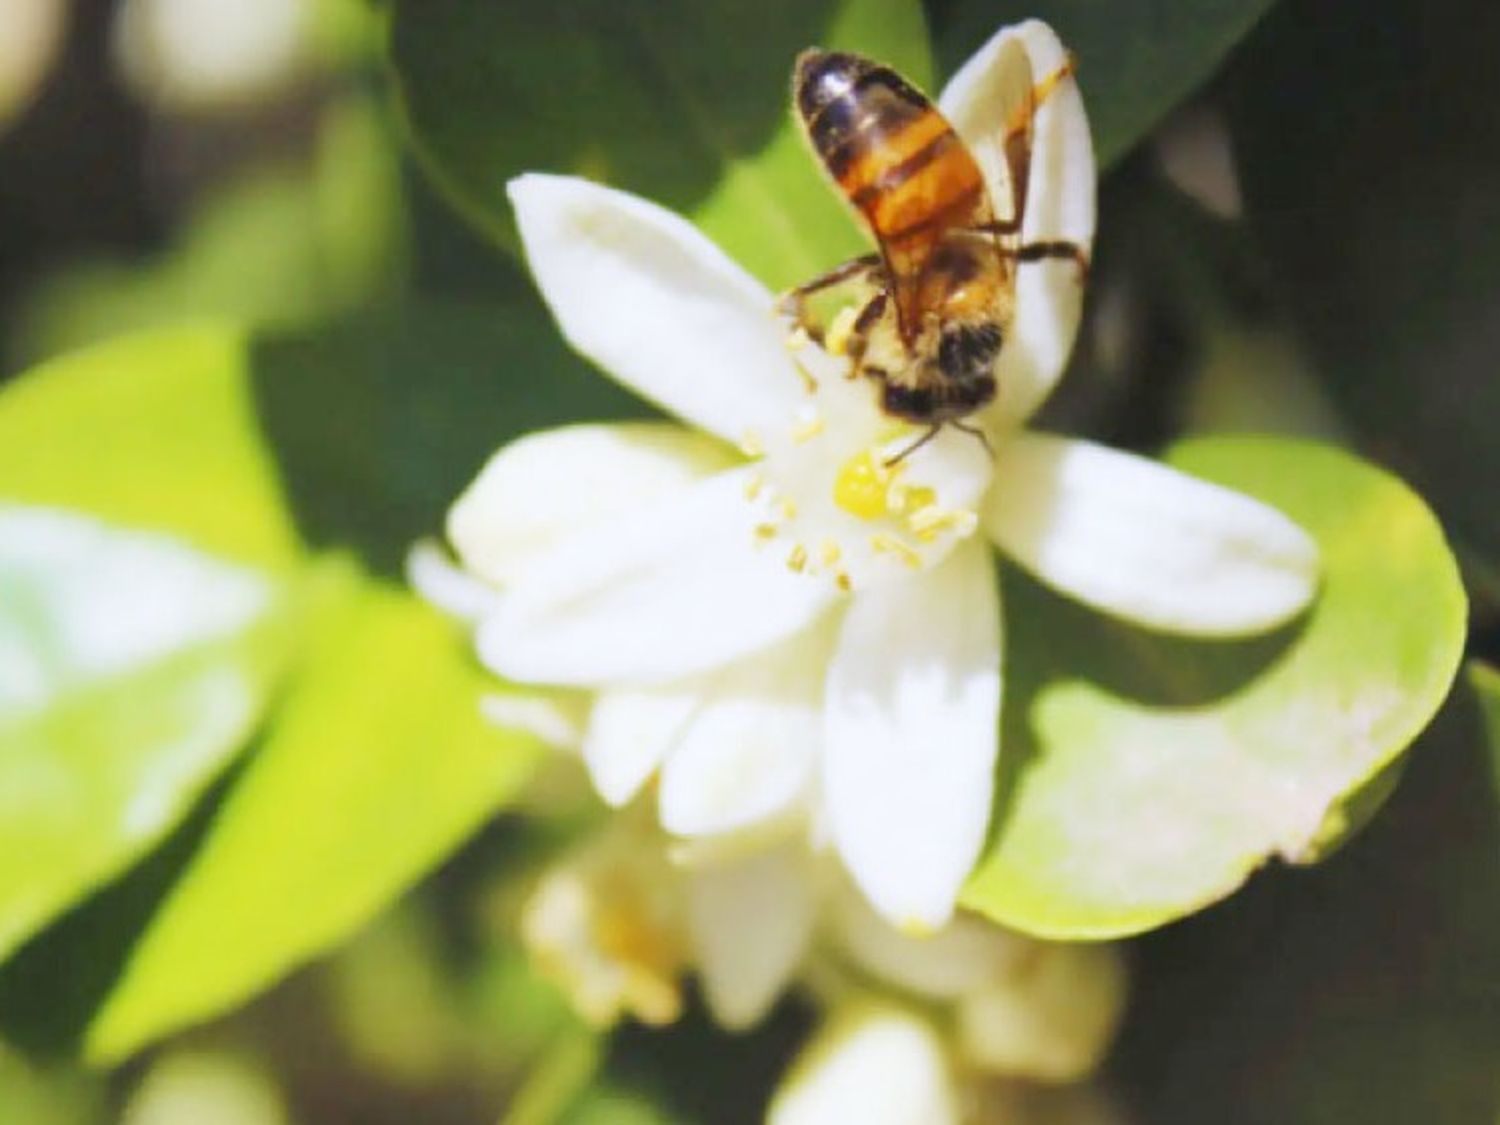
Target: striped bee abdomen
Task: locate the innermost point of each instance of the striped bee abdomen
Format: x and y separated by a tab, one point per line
894	157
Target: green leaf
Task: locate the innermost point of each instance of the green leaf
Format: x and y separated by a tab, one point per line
685	103
1136	58
1364	990
1486	683
158	431
378	765
379	421
133	667
283	245
1370	184
1147	777
377	762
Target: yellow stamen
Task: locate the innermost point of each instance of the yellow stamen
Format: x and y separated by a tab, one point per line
796	562
862	487
844	582
753	484
836	341
809	425
786	508
890	545
765	532
929	522
829	553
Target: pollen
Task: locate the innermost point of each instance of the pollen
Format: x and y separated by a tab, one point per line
862	487
929	522
841	330
897	549
809	424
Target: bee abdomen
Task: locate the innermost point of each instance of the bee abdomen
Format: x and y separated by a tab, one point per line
894	156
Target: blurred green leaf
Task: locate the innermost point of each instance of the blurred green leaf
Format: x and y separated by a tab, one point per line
1370	180
685	103
379	421
1366	990
377	763
281	246
377	766
1136	58
131	668
157	432
1486	681
1146	777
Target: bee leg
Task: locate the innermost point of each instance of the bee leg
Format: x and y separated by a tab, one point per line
855	340
1042	251
792	302
932	432
976	432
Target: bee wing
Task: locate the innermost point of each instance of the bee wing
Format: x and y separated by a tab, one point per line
1009	97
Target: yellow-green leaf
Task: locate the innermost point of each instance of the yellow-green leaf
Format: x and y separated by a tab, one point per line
1132	798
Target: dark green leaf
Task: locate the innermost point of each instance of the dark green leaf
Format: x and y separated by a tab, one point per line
1370	169
682	102
1136	58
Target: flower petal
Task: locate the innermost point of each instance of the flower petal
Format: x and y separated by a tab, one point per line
747	754
1132	537
629	733
981	101
967	954
545	485
750	921
1053	1019
645	295
912	723
874	1064
650	595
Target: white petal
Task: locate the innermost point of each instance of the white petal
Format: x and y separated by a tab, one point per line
645	295
548	484
965	955
1135	538
651	595
876	1065
912	730
980	101
433	574
1054	1019
747	754
629	733
750	922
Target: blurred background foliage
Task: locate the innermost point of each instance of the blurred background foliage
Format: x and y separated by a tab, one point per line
270	879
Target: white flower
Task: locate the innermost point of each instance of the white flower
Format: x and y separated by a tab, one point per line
794	633
617	924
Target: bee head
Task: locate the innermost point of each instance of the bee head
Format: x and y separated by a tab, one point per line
966	352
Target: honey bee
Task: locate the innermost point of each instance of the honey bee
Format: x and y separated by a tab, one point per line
939	296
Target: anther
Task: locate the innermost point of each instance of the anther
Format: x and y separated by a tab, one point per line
796	562
903	552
